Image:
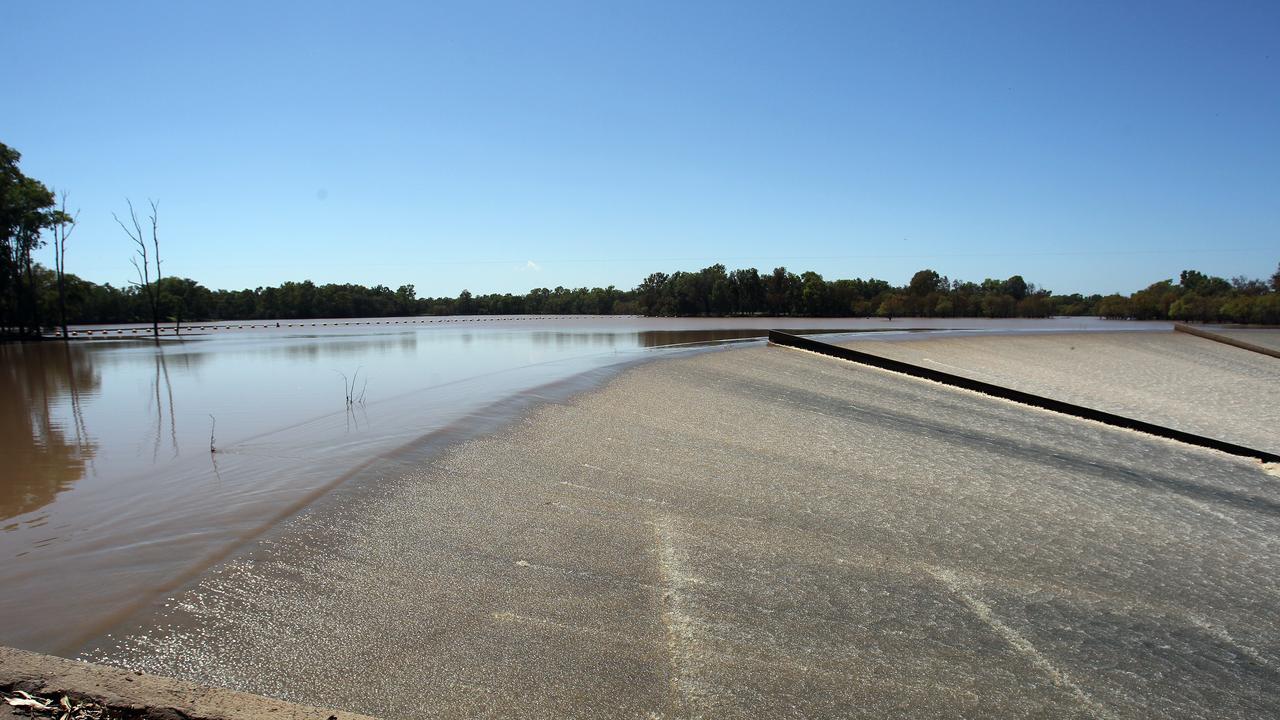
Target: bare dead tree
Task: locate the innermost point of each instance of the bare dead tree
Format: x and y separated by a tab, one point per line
150	290
155	241
62	229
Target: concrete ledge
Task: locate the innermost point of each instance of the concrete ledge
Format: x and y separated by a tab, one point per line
1184	328
783	339
134	695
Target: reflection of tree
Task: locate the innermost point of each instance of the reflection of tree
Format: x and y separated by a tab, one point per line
44	454
162	375
659	338
336	347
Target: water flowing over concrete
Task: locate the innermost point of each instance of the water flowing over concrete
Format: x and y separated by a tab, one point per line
761	532
110	496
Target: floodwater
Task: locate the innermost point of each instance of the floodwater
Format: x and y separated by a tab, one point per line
110	496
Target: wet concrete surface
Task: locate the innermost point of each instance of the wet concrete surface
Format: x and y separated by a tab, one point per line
762	532
1172	379
1263	337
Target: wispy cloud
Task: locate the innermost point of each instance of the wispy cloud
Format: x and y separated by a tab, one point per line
531	265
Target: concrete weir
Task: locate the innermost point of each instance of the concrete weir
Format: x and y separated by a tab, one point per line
759	532
1226	340
777	337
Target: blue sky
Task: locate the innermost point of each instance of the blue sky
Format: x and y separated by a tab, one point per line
1089	146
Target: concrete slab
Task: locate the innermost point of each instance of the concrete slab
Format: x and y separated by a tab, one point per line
1172	379
762	532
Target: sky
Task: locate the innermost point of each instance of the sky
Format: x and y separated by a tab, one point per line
502	146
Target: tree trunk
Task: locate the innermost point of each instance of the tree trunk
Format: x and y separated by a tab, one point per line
62	302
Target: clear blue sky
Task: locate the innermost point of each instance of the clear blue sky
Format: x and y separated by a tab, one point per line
1090	146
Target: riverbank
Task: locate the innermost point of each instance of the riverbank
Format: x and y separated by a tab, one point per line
109	692
761	532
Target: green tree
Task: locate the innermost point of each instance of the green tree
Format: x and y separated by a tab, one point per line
892	306
1016	287
782	290
748	291
814	294
26	211
1115	307
925	282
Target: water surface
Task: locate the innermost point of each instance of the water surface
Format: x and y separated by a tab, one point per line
111	497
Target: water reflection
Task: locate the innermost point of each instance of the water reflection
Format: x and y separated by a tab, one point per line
665	338
314	347
162	373
43	437
660	338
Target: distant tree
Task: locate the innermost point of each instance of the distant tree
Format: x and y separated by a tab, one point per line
1115	307
688	293
999	305
1033	306
26	211
1248	286
184	299
1016	287
925	282
748	291
467	306
406	300
814	294
781	291
63	225
654	294
144	284
714	285
1192	280
1153	302
892	306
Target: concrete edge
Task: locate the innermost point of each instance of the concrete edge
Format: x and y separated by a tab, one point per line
784	339
138	695
1184	328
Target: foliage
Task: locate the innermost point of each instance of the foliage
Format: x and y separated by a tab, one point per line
712	291
26	211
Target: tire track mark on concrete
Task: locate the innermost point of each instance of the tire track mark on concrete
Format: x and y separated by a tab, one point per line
961	589
680	627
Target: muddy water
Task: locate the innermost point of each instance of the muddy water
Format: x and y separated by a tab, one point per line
110	495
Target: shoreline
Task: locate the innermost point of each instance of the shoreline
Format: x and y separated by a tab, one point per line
358	482
135	695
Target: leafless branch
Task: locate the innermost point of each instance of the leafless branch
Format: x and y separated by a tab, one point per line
144	273
134	262
155	233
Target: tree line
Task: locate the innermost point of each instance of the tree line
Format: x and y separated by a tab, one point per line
34	298
712	291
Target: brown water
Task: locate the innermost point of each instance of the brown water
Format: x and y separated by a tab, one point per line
110	496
